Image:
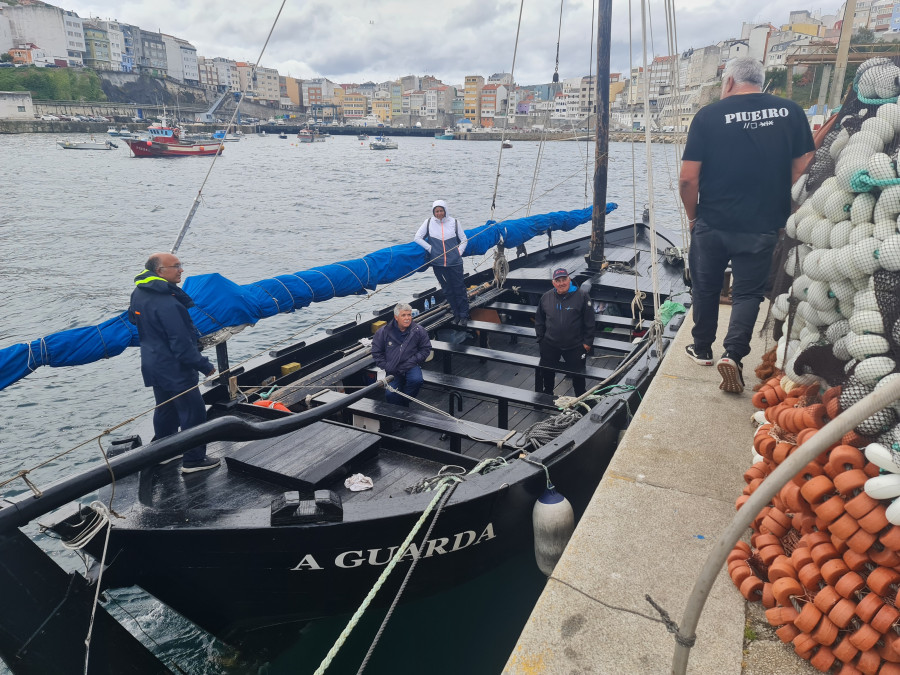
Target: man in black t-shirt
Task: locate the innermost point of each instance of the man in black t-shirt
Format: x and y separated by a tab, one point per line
742	155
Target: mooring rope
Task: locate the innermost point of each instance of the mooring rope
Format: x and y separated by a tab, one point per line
401	551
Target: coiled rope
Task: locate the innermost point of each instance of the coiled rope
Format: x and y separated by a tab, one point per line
543	432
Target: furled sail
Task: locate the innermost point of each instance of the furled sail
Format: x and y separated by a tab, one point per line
220	303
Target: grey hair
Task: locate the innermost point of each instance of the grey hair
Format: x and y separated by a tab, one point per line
745	70
402	307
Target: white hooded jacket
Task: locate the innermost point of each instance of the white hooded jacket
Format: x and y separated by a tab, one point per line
448	231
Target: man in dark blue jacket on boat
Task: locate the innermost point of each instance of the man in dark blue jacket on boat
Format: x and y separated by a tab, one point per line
400	348
564	325
170	356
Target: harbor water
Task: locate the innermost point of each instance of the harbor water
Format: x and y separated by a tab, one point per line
76	226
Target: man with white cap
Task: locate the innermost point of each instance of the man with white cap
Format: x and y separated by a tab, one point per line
564	324
445	240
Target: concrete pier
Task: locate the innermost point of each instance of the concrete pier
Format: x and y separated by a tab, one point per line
667	495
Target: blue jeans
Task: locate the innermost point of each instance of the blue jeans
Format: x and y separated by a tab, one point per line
750	254
184	412
454	287
409	383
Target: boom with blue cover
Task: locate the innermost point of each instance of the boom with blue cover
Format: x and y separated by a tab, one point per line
220	303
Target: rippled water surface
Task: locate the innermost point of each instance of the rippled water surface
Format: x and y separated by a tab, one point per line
76	226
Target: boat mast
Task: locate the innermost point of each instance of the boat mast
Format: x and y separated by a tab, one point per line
840	63
601	146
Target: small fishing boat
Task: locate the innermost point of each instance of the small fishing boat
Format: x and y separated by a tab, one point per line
445	135
166	141
362	137
123	132
282	135
383	143
86	145
507	144
222	135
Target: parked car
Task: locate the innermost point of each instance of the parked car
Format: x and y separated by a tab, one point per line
7	65
50	118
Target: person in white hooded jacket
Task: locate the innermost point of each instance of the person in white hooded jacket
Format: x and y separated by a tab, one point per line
445	241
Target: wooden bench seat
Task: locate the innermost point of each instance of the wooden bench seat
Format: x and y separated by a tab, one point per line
306	458
504	394
607	319
617	346
456	429
447	350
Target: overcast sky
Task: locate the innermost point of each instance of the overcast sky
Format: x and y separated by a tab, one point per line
360	40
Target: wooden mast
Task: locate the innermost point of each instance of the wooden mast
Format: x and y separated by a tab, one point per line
601	147
840	64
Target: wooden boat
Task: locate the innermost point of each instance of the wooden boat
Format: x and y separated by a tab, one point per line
166	141
86	145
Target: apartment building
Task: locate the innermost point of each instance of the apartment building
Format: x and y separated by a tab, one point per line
381	108
356	106
291	89
150	53
396	98
472	98
121	45
181	59
96	42
59	33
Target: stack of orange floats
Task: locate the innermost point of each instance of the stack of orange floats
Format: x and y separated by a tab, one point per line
823	558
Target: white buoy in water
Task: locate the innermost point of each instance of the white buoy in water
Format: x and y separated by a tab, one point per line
553	521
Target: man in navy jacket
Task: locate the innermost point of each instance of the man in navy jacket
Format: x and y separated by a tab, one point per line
400	348
170	356
564	325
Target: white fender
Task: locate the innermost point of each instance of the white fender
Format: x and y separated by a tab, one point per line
553	521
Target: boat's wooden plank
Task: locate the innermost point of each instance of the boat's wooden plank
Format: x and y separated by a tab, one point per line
306	458
531	310
528	332
388	411
510	357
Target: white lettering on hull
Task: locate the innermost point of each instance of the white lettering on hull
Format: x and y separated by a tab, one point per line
377	557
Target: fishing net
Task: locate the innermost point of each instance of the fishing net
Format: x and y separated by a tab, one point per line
835	287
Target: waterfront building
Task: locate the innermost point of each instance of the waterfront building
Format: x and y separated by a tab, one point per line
16	105
396	98
381	108
209	75
457	108
494	98
96	52
58	32
149	53
181	59
317	91
472	108
267	85
28	54
788	43
291	89
121	48
356	106
220	73
409	83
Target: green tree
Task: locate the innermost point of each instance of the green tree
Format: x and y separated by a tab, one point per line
5	57
863	36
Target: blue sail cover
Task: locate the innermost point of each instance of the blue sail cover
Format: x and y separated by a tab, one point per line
221	302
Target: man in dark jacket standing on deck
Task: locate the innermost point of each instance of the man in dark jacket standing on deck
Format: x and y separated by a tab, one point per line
742	155
170	357
400	348
564	325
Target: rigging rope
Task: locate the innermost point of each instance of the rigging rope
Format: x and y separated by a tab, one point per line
401	551
196	203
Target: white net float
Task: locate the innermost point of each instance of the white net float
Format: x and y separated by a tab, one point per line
840	234
781	306
880	166
889	112
883	487
837	330
864	346
865	300
820	237
818	295
865	256
890	253
863	208
866	322
880	126
841	140
872	370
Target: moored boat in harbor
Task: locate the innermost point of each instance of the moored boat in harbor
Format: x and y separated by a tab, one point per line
165	141
383	143
86	145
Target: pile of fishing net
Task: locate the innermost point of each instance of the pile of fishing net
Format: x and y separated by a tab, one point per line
824	555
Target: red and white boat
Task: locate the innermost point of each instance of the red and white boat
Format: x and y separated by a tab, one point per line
166	141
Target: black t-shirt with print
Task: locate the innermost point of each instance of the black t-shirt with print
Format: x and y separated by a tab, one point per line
746	143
